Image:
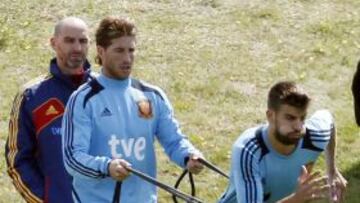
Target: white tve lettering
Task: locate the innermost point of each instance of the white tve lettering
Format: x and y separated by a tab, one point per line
130	147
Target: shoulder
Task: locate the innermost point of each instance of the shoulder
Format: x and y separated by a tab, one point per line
149	88
319	128
321	120
34	84
249	135
251	142
87	91
249	150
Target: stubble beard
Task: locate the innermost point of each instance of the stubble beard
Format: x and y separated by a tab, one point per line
284	139
74	64
116	74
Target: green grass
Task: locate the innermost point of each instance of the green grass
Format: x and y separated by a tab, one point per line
216	61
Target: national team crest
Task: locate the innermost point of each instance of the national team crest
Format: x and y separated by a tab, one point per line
145	110
47	112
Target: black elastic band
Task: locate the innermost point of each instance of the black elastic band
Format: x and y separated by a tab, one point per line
117	191
191	180
213	167
187	198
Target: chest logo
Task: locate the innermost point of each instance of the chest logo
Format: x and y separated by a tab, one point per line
106	112
51	111
46	113
145	109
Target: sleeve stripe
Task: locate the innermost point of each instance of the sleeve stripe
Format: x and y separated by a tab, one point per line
326	137
246	160
70	161
320	135
321	140
68	144
319	131
13	150
75	195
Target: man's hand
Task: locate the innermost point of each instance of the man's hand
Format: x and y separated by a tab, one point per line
193	165
117	169
310	187
337	186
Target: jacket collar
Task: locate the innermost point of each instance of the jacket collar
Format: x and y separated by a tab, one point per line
56	72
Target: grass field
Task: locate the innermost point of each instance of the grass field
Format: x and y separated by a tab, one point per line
216	60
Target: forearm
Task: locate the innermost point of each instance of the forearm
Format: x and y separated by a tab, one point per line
330	152
24	170
21	161
180	150
176	145
78	163
29	183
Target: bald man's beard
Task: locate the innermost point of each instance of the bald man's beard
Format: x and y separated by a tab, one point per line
71	60
75	62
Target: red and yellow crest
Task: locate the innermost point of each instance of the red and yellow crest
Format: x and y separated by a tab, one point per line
145	109
47	112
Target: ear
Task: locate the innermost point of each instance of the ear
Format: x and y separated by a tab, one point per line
100	51
270	115
53	42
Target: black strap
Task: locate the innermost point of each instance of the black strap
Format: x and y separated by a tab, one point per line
187	198
213	167
117	191
192	183
191	180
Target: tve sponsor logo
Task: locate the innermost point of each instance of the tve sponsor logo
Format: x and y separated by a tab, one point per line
56	130
132	147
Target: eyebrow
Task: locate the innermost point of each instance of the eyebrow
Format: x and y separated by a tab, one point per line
74	38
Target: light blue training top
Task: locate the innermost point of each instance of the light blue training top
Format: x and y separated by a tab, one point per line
260	174
107	119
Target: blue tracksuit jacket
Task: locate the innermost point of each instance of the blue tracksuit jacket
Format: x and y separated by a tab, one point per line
108	119
33	149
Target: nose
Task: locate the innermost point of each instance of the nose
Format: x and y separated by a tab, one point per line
77	46
127	57
298	125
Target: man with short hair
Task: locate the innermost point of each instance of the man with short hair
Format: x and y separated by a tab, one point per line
273	162
33	149
111	123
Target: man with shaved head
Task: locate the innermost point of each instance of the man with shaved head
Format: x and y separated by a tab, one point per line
33	148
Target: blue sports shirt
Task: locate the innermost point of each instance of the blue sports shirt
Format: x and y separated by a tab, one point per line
260	174
108	119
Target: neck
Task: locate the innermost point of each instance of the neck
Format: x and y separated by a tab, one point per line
71	71
277	145
113	76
